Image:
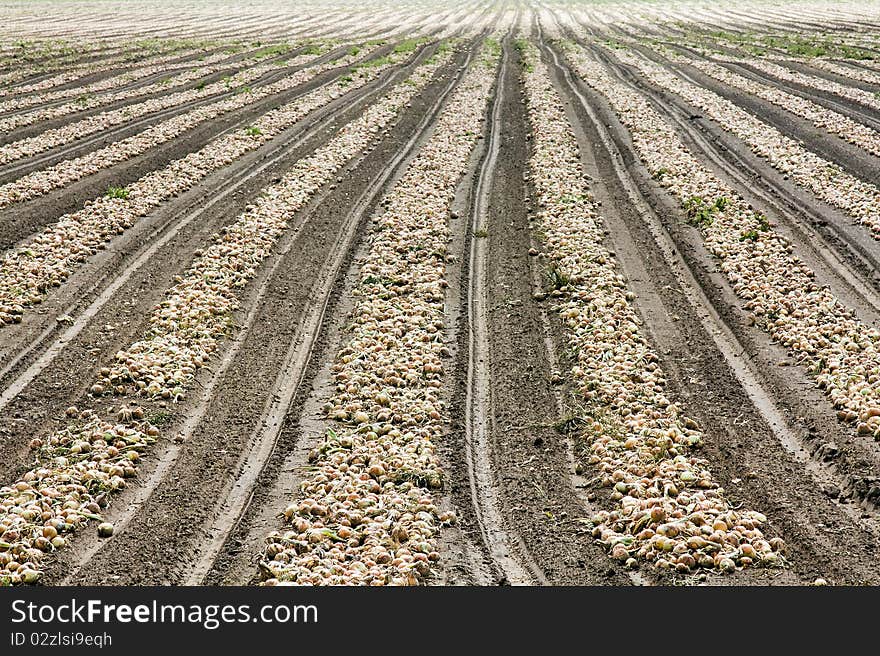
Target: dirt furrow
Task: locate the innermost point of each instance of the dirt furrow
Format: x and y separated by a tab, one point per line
14	350
15	89
834	244
516	460
513	564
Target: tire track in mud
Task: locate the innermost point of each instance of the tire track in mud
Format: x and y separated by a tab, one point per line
850	108
310	428
267	155
125	271
119	67
511	560
229	422
846	106
507	461
841	78
274	481
830	242
859	461
760	424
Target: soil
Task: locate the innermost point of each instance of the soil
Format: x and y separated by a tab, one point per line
233	453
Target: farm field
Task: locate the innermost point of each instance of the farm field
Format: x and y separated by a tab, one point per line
499	292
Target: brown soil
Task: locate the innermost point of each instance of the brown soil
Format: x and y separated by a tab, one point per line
233	453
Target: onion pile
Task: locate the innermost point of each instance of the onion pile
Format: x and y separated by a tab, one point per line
79	467
29	271
366	516
76	470
671	512
824	335
826	180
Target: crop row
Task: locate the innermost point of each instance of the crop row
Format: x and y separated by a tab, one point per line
670	509
111	56
823	118
127	56
145	69
853	72
99	122
825	336
826	180
365	515
58	175
79	467
186	327
781	72
28	271
807	47
88	97
18	51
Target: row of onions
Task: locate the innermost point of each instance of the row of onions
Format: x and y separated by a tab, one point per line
45	261
27	57
821	117
828	181
779	65
69	132
110	59
116	88
187	326
365	514
820	83
58	175
869	76
78	468
669	509
825	336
